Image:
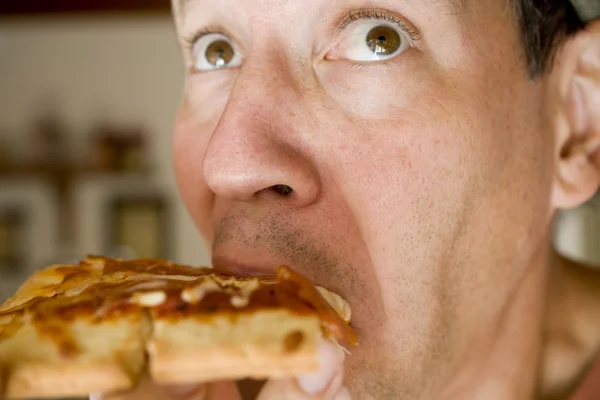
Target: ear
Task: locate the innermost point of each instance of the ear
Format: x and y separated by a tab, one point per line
576	90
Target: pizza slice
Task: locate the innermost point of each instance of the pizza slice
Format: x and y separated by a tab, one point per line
98	326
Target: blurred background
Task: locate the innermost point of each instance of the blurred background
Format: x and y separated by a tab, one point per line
88	93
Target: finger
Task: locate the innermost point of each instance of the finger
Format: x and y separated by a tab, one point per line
222	391
150	391
325	384
147	389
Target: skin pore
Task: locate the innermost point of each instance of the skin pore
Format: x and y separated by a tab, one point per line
423	186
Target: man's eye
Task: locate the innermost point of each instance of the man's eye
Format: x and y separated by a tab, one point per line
371	41
214	51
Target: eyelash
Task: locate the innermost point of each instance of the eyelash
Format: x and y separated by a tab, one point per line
381	15
364	66
190	40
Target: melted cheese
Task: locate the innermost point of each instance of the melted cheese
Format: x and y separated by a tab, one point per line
240	301
149	299
336	302
195	294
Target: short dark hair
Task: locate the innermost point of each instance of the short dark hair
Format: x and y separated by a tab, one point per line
544	24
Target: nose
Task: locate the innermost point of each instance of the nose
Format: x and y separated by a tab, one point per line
257	151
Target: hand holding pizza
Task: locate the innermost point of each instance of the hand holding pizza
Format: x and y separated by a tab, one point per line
326	384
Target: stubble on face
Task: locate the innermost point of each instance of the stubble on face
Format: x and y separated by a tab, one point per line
427	184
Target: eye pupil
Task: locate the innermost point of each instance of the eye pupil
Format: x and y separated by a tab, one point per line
219	53
383	41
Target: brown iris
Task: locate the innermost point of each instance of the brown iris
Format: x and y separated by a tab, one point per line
383	40
219	53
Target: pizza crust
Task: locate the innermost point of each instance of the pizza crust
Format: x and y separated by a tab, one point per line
258	345
98	357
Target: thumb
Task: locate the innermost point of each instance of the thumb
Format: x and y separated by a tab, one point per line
325	384
148	390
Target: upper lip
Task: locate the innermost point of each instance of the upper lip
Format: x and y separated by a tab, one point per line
228	266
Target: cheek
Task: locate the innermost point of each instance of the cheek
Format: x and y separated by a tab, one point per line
444	171
189	145
379	91
205	98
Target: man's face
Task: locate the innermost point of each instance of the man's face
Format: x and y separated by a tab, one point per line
417	154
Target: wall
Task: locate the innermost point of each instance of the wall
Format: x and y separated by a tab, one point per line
578	233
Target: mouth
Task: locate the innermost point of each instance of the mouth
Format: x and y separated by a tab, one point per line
264	264
228	266
242	271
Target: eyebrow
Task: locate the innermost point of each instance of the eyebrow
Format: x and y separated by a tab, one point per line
455	5
448	7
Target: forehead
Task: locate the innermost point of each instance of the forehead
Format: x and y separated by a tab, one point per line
299	20
452	3
259	6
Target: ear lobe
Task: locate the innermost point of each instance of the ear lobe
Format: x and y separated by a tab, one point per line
578	180
578	172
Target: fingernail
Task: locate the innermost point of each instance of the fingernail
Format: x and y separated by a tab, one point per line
344	394
330	360
95	396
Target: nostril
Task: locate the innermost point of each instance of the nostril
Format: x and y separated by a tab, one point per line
283	190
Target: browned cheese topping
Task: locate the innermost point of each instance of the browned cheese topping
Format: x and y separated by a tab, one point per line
100	289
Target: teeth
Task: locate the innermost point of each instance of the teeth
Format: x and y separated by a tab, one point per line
336	302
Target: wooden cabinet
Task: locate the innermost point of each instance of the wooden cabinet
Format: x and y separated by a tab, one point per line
119	216
28	226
